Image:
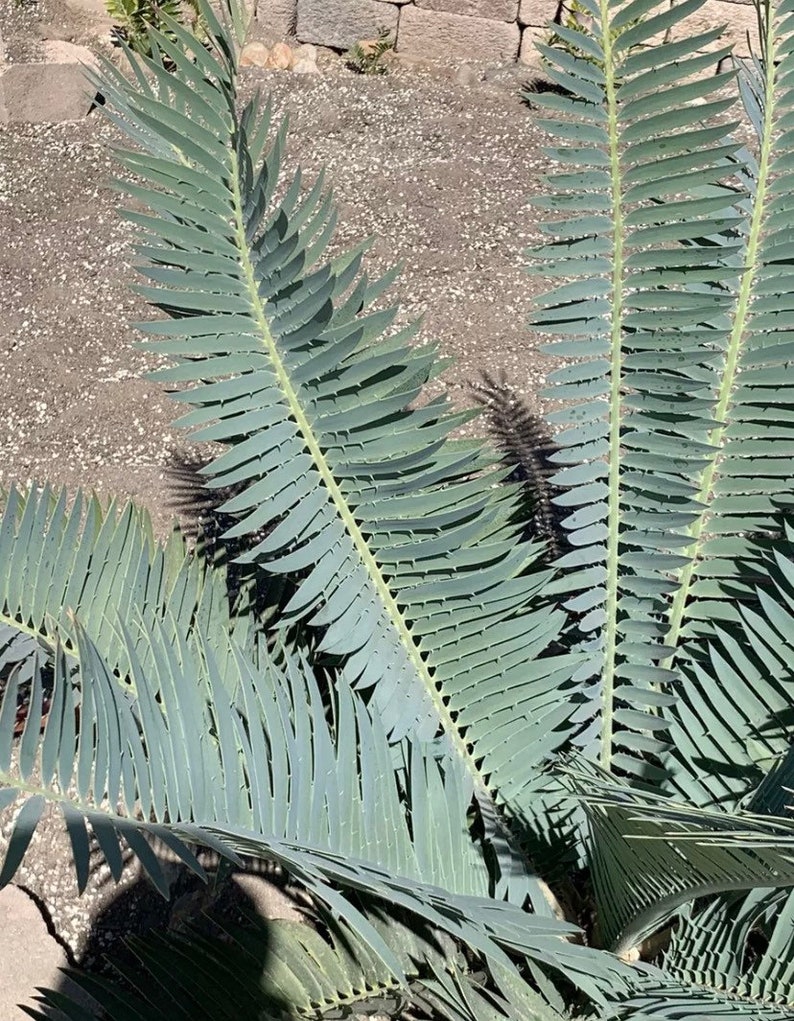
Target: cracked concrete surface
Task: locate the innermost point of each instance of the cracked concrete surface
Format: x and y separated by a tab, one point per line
30	955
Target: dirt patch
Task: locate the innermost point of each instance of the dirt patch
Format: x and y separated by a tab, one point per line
439	173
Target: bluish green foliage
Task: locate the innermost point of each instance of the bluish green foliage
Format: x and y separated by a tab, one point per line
447	739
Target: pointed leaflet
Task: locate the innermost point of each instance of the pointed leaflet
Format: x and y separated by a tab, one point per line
713	944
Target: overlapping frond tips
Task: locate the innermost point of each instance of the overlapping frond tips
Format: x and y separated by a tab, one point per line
731	724
72	555
652	855
738	943
666	1000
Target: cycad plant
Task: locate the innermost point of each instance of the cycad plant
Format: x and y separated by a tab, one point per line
449	741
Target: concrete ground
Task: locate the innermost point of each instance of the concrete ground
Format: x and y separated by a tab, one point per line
30	956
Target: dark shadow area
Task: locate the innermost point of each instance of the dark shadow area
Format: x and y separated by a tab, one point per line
96	102
204	524
537	85
526	446
200	953
196	506
204	955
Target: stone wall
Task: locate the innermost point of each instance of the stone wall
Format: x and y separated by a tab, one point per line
477	30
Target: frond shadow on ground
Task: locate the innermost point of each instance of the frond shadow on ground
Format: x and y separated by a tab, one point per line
210	911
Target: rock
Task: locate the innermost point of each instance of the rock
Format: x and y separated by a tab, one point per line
305	66
305	52
466	76
254	55
53	90
25	941
434	35
528	54
340	23
280	57
277	17
498	10
537	12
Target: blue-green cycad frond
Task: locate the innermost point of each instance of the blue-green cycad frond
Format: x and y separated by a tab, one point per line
401	546
729	620
738	945
653	854
666	1000
712	948
668	382
307	975
73	556
731	724
744	489
241	757
670	244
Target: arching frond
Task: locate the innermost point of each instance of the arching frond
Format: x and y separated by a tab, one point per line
199	749
400	543
652	855
740	945
284	969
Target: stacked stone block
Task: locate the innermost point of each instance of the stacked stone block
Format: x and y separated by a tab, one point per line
428	30
460	30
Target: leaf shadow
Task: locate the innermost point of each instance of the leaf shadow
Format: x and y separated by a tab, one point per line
163	958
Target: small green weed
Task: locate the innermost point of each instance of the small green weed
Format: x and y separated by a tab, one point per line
367	58
135	17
